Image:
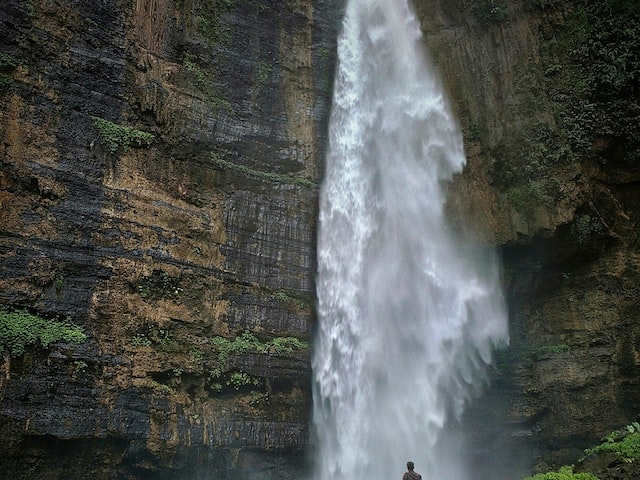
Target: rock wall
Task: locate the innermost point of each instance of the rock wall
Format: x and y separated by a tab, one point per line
551	180
158	184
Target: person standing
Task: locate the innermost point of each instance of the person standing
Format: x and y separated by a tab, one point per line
410	474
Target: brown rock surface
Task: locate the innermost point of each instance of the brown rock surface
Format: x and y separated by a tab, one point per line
559	198
161	250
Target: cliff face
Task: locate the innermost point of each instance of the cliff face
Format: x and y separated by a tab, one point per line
547	95
158	184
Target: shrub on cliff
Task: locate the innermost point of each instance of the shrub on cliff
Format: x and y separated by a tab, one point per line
19	329
564	473
624	444
115	137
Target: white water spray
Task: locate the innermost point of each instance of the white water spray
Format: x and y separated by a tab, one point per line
407	322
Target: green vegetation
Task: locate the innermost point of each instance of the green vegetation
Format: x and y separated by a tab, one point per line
140	340
192	67
219	376
526	196
550	350
593	70
269	176
291	299
161	387
159	338
237	380
116	137
212	25
20	329
590	82
80	366
625	443
564	473
8	64
264	71
586	226
197	356
205	85
493	12
249	343
159	285
28	7
59	282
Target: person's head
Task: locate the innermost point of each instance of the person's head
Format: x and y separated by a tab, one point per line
410	466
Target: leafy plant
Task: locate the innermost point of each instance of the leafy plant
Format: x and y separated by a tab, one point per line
159	285
80	366
564	473
197	355
550	349
140	340
237	380
59	282
206	85
117	137
286	345
625	444
286	297
20	329
192	67
248	343
526	196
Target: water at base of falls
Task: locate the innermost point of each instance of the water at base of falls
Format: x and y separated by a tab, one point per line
407	318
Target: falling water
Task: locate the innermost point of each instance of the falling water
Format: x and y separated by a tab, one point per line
407	319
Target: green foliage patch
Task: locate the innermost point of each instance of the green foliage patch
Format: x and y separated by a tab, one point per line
269	176
292	299
159	285
8	63
116	137
264	71
20	329
590	78
213	25
207	86
564	473
625	444
593	70
249	343
192	67
491	11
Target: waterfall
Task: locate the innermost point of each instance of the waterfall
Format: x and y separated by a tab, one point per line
408	317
